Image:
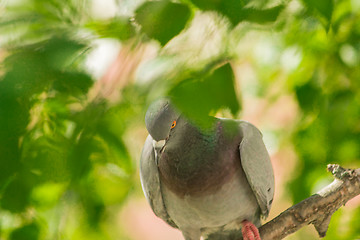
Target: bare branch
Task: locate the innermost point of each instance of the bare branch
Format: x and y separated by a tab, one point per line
318	208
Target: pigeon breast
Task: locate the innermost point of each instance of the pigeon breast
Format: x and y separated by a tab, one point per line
197	163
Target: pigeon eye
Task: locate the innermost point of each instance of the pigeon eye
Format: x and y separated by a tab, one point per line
173	124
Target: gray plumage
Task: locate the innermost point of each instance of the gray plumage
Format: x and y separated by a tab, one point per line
205	182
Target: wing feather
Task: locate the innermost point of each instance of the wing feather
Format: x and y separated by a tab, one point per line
150	181
257	166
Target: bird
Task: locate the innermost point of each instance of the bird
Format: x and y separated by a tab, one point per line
214	182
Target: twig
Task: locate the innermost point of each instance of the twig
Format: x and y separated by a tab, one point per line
318	208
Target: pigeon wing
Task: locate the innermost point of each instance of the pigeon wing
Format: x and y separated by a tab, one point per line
150	181
257	166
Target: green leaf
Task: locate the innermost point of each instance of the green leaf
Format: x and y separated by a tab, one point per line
230	8
261	16
117	149
109	177
74	83
324	7
27	73
162	20
27	232
45	157
236	12
16	196
119	28
47	195
79	160
23	19
220	5
93	205
199	97
308	96
60	52
9	158
14	117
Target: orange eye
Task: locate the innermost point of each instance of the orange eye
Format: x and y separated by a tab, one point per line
173	124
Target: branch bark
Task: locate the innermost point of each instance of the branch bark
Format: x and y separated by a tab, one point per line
318	208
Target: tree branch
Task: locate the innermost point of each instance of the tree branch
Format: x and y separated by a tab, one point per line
318	208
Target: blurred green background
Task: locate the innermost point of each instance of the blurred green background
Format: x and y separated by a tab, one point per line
76	78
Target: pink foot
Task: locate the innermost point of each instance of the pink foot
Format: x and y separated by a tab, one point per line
249	231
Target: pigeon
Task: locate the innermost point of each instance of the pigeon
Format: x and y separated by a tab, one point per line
214	182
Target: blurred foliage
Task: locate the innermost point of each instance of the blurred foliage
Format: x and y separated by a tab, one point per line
65	161
238	11
205	92
162	20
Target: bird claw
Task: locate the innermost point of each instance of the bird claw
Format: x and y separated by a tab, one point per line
249	231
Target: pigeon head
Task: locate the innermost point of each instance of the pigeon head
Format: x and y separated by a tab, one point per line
160	118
